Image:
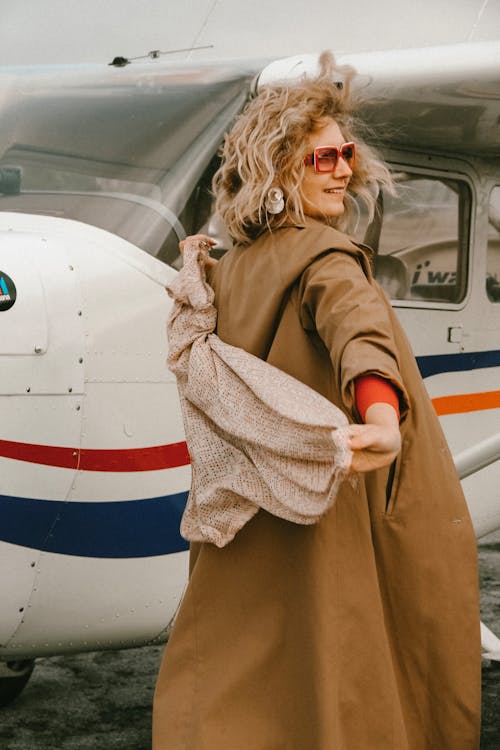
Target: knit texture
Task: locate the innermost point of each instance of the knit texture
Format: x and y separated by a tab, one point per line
257	437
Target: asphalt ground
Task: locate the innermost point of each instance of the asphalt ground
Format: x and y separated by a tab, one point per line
102	701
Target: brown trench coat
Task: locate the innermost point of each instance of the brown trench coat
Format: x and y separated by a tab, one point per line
362	631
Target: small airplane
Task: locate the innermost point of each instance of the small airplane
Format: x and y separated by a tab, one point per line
103	169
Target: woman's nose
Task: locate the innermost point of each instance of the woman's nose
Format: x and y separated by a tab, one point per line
342	168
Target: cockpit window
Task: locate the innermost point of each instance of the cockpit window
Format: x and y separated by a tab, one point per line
131	154
493	264
420	238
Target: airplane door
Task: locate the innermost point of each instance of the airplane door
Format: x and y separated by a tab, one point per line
422	257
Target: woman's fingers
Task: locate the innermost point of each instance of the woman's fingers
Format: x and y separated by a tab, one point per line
197	238
373	447
374	438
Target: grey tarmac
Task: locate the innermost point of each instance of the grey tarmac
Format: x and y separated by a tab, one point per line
102	701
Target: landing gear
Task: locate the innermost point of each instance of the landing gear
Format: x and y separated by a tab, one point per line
13	677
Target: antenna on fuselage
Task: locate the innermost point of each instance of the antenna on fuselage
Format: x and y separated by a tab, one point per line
154	54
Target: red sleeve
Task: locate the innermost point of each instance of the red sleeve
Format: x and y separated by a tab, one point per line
372	389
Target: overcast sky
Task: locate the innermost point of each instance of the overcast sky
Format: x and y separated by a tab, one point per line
77	31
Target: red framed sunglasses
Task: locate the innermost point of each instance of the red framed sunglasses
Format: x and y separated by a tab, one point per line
325	158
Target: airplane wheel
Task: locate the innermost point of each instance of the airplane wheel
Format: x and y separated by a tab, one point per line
13	677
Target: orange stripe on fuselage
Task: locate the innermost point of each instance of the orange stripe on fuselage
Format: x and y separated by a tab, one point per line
464	402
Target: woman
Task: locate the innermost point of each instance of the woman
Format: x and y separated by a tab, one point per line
362	631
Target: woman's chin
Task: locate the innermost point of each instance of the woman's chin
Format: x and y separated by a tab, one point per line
328	212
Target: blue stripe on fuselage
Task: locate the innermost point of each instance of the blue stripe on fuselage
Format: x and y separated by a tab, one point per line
434	364
133	528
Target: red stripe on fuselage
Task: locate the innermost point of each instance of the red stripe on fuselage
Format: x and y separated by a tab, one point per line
89	459
176	454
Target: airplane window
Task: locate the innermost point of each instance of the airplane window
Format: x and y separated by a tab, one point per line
420	237
493	266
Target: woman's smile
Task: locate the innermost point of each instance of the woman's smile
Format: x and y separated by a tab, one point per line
335	190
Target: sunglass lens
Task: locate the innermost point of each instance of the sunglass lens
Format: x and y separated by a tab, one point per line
348	152
326	159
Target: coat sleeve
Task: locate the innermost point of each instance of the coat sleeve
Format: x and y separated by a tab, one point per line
347	311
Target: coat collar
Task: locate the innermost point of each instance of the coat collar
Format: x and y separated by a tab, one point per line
292	248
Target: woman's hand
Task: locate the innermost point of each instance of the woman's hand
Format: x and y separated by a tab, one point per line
200	238
376	443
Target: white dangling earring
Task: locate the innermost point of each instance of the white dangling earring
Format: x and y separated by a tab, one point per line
275	203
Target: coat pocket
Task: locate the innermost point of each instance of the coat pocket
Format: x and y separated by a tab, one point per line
392	484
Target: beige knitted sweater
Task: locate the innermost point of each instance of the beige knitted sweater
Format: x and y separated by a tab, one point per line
257	437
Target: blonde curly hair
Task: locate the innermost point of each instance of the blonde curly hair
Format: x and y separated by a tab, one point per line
265	149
